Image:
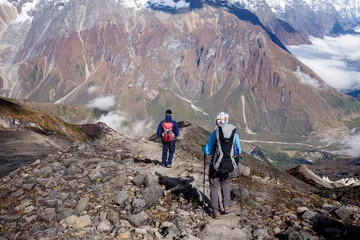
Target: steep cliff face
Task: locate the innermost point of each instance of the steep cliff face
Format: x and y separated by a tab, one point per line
150	60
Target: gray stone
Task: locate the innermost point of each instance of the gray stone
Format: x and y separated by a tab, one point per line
23	205
138	180
29	209
139	203
95	174
137	219
191	237
152	194
302	200
63	196
81	205
14	173
56	166
140	231
43	171
239	194
65	214
50	185
151	180
9	218
28	186
113	217
120	197
17	193
308	214
343	213
127	160
71	170
35	227
125	224
307	236
261	233
107	164
83	221
31	218
161	209
104	226
37	162
68	162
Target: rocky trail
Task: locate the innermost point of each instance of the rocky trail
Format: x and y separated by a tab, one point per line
114	188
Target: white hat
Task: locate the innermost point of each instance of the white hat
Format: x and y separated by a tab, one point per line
222	118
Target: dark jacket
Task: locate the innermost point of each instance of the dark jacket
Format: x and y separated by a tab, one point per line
168	119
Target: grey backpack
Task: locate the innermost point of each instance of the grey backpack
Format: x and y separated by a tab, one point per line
224	160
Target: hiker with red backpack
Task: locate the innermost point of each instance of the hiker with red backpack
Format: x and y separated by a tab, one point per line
223	144
168	130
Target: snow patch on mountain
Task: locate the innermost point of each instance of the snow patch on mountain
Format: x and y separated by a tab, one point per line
344	181
170	3
4	2
135	4
26	14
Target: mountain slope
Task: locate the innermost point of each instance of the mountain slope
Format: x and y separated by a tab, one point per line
26	134
207	56
115	188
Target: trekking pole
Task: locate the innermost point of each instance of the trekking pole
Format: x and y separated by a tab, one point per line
240	157
204	187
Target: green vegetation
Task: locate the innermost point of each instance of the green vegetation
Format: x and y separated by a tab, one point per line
350	105
353	123
283	159
44	124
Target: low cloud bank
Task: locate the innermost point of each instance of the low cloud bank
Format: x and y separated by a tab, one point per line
306	79
335	60
350	144
92	89
127	125
103	103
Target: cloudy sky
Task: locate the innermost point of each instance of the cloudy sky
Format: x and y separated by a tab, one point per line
335	60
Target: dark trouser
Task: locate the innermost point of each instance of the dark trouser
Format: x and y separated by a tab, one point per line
217	179
171	148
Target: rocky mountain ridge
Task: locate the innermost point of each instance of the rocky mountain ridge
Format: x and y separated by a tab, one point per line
114	188
26	134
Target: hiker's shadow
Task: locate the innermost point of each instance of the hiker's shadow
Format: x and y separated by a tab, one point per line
183	187
146	161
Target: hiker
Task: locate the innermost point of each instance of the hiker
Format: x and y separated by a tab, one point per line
168	130
223	145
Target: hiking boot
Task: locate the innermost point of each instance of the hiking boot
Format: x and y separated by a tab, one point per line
216	214
168	166
227	210
163	165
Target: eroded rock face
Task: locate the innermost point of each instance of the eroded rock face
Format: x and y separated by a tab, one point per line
303	173
147	56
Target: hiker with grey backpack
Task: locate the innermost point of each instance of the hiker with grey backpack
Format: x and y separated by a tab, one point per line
168	130
223	144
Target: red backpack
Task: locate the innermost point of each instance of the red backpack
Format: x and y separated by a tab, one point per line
167	134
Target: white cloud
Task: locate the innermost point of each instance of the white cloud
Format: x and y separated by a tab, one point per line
335	60
306	79
350	144
92	89
103	103
127	126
